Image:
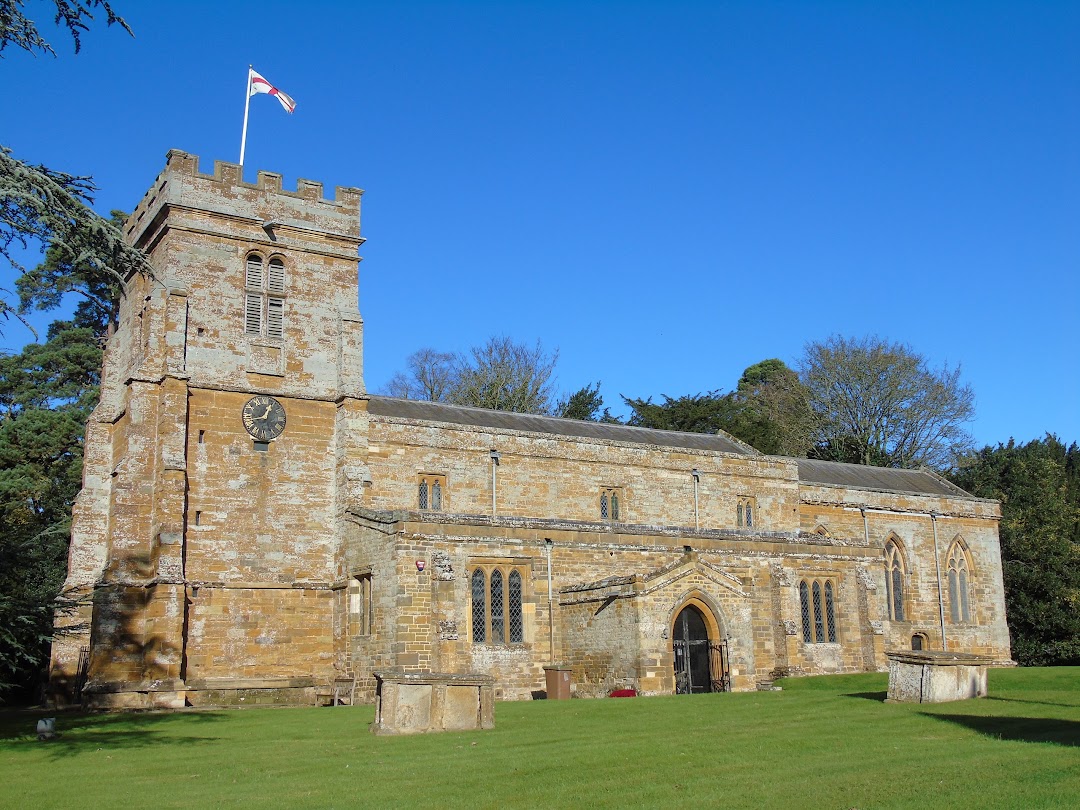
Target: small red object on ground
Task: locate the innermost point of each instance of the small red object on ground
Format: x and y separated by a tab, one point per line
624	693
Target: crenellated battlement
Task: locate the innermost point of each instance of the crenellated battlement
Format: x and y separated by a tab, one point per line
181	185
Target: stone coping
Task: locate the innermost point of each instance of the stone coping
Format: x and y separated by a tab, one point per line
939	658
448	678
108	687
198	684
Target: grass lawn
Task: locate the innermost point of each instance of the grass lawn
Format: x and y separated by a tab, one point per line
828	742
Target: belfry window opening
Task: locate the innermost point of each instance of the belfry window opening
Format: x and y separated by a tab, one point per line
264	297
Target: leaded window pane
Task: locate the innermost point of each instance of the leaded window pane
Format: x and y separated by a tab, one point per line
498	627
436	496
954	597
479	607
804	603
423	495
749	516
897	593
517	625
965	608
739	514
614	506
830	613
889	591
819	621
603	506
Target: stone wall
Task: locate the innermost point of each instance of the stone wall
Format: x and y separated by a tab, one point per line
561	476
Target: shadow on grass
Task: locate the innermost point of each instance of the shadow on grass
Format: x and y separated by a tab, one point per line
1039	702
1023	729
878	696
89	732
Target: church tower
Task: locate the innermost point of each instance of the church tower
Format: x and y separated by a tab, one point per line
229	440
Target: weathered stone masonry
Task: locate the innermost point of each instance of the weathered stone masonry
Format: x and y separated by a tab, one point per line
215	569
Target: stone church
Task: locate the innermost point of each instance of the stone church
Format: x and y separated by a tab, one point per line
254	526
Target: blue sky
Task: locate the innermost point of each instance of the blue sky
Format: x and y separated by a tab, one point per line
666	193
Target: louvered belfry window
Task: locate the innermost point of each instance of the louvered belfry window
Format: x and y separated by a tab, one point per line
264	301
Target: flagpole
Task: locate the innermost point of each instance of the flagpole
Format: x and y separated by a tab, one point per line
247	103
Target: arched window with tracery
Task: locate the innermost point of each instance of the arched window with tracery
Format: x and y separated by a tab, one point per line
817	606
804	606
513	604
497	595
894	580
958	571
745	512
609	504
430	489
479	606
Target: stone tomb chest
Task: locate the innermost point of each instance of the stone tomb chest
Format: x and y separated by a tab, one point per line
925	676
418	702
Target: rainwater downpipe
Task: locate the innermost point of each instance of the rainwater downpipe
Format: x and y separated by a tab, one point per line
494	456
940	596
696	473
551	613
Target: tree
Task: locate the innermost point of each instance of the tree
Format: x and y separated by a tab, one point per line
877	402
506	376
694	413
771	410
42	206
501	375
429	374
46	395
19	30
584	404
48	390
1038	484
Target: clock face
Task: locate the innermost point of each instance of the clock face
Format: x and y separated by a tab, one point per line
264	418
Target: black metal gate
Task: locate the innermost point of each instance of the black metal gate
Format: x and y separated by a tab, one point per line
701	665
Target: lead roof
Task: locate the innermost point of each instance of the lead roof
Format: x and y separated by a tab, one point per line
811	471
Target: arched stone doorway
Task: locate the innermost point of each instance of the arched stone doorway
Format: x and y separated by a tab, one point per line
700	656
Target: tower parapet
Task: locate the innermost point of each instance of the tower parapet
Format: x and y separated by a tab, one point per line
182	186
